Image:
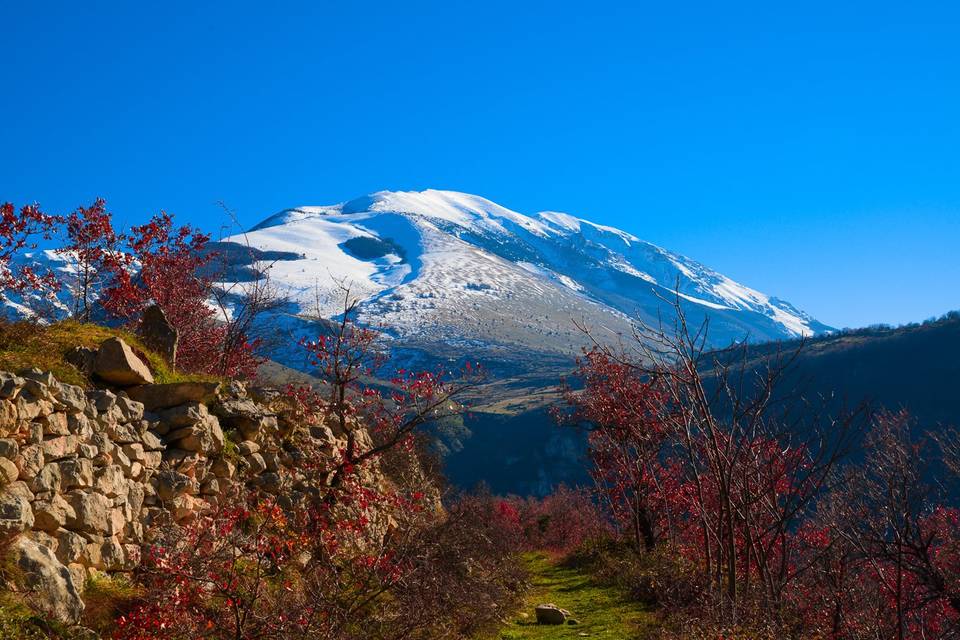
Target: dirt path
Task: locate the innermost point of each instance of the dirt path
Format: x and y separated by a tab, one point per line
602	612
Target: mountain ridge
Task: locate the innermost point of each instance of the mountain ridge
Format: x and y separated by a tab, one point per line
444	268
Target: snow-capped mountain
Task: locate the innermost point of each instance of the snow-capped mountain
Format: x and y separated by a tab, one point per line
443	271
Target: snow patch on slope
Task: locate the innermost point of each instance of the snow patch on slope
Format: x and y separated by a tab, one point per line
466	269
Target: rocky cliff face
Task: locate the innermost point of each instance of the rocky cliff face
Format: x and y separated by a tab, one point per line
87	474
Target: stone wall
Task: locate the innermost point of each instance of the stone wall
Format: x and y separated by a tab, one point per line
87	473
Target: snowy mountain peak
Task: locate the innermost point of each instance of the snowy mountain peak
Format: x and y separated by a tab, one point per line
443	267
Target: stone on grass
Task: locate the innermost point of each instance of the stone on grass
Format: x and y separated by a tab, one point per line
118	364
550	614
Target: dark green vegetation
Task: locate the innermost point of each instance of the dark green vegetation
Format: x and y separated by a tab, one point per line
914	367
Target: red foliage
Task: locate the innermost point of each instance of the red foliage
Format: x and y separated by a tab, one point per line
254	570
559	522
754	502
19	229
170	268
344	359
626	439
97	249
346	558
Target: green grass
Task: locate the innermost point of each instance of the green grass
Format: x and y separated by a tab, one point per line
603	612
106	598
24	345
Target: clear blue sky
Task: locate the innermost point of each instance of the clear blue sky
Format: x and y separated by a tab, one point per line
811	150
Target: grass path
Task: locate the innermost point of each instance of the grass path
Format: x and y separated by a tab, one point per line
601	611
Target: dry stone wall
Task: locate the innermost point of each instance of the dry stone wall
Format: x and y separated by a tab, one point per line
86	474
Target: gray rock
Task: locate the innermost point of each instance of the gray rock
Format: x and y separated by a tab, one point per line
30	461
58	448
163	396
50	584
38	386
247	447
88	451
80	424
550	614
158	334
112	554
223	468
122	433
51	515
247	417
171	484
10	385
9	448
184	415
77	472
48	480
15	514
134	451
205	437
19	488
70	398
55	424
70	546
92	513
151	442
117	364
82	358
8	471
132	409
43	377
256	463
111	481
102	399
210	487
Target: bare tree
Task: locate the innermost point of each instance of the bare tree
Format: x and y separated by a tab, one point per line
756	456
242	301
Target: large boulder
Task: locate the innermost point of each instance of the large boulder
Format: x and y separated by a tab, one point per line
49	583
163	396
158	334
117	364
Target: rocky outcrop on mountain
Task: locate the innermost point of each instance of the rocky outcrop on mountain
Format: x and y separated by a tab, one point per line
87	474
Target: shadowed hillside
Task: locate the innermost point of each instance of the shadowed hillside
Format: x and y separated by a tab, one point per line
916	367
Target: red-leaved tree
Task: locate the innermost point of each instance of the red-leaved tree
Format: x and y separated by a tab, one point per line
97	251
349	552
715	456
20	229
169	267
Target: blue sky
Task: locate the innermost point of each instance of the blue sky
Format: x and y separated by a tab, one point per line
810	150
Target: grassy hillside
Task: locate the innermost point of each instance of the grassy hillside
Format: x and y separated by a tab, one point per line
25	345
